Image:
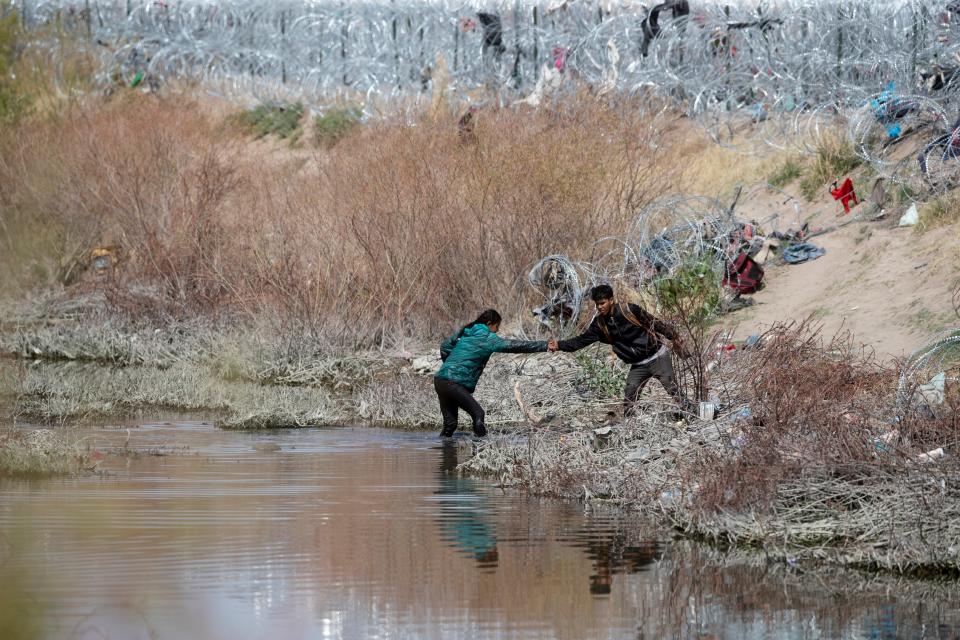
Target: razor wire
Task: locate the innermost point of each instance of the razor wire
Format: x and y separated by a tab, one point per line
787	75
928	371
880	75
668	235
709	57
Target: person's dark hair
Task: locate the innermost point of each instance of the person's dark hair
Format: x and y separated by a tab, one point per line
487	316
601	292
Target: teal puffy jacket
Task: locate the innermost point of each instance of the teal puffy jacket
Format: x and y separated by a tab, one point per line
465	354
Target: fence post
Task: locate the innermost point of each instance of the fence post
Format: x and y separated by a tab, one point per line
536	43
283	39
343	44
518	53
396	50
839	40
456	47
420	61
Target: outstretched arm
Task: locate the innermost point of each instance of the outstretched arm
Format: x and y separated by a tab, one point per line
498	344
588	337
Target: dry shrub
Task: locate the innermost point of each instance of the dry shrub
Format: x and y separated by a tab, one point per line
813	404
41	452
400	231
137	173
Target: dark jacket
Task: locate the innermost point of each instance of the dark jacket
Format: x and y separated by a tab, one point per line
630	342
465	353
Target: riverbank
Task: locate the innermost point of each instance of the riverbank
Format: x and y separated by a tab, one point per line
815	453
251	377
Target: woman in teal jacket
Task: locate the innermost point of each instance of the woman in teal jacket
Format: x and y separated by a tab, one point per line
464	356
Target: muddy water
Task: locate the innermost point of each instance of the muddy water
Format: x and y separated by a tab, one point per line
362	533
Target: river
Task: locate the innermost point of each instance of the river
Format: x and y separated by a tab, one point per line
371	533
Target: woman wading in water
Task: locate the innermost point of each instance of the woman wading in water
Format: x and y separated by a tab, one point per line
464	355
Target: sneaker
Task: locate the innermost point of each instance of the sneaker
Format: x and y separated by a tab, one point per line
447	434
480	431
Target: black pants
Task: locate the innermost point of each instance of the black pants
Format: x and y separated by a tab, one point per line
453	397
640	374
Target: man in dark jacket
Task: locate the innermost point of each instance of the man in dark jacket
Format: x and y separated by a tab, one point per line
636	338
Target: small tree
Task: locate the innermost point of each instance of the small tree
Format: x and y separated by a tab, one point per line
690	297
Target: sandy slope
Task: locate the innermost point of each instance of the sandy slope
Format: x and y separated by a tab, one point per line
890	286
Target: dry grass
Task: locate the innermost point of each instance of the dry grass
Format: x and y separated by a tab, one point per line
834	159
939	212
810	402
400	230
41	452
715	170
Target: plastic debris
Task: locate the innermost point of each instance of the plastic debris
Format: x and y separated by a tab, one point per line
932	392
707	410
910	217
931	456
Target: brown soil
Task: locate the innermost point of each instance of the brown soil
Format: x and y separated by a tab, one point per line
890	286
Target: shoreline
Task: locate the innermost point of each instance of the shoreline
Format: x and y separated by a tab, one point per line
647	464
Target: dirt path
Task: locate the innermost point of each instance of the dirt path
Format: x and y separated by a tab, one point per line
890	286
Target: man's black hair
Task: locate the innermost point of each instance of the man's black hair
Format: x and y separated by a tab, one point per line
601	292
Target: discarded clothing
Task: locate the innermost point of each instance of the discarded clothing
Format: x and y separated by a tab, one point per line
797	253
844	193
557	308
735	304
743	275
946	146
767	249
805	233
878	195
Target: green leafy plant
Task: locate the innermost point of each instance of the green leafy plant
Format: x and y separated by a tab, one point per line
690	298
693	289
333	125
281	120
602	379
786	173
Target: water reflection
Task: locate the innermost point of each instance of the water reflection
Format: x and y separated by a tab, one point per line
612	555
464	516
359	533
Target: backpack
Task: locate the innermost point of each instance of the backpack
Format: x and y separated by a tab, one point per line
632	319
743	275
